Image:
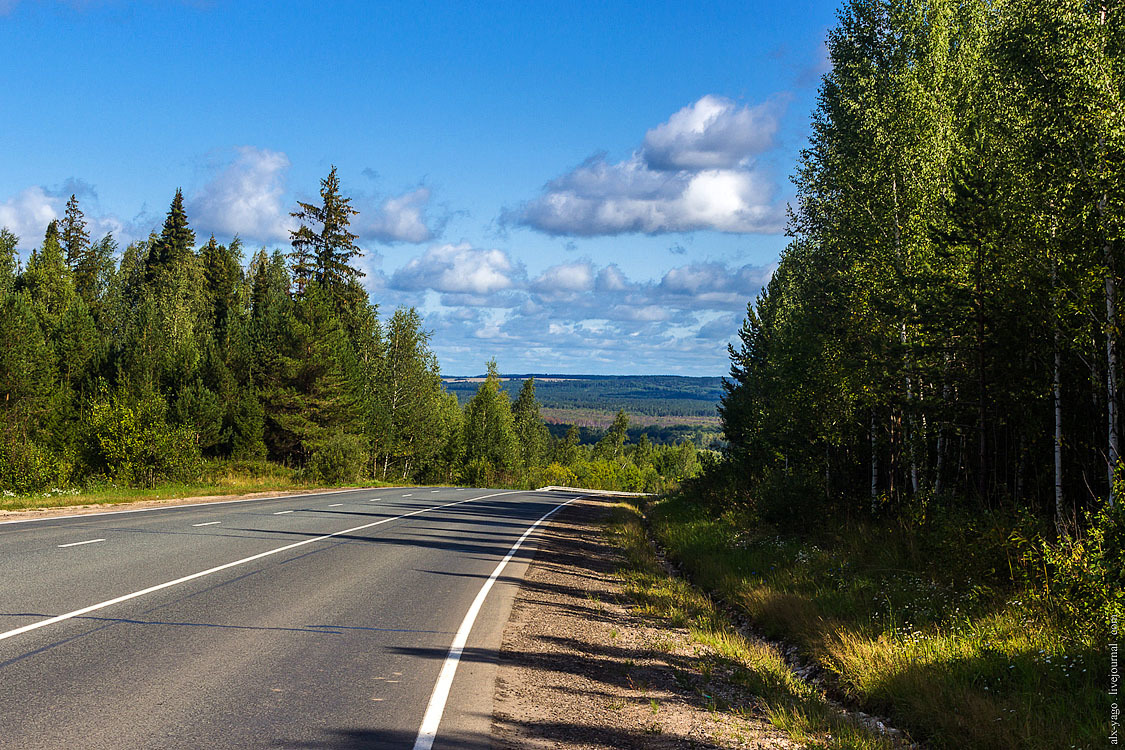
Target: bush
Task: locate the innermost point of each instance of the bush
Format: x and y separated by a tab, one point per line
1081	579
553	475
133	443
339	459
26	467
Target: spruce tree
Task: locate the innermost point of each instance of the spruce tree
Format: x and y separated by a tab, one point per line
75	238
323	247
173	250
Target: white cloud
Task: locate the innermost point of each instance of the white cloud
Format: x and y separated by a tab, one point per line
28	213
694	172
712	133
459	269
399	219
245	198
578	316
565	279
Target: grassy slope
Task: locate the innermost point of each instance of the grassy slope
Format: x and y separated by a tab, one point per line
904	632
789	703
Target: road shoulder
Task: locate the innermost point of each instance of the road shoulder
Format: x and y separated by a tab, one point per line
581	667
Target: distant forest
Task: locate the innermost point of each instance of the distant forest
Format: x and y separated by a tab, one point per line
651	395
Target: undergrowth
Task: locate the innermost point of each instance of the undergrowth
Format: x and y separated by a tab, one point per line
791	704
920	628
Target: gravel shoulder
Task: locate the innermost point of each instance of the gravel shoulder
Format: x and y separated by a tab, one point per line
580	668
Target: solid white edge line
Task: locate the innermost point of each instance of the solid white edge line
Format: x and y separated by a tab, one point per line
186	505
75	544
217	568
427	733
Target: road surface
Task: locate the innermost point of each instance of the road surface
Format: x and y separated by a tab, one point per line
312	621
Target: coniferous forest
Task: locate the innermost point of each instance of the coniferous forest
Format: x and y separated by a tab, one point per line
144	365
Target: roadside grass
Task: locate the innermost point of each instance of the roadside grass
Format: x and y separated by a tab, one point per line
217	478
794	706
925	638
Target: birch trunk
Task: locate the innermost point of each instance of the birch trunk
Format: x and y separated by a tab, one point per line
1056	387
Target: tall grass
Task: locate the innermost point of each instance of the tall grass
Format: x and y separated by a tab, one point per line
918	630
789	703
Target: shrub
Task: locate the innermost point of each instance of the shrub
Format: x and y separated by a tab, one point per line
26	467
340	458
132	442
554	474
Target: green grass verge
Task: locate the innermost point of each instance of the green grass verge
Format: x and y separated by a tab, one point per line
217	478
791	704
904	632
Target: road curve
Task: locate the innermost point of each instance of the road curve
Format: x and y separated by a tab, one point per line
308	621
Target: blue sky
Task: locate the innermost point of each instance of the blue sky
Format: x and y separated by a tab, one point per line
568	187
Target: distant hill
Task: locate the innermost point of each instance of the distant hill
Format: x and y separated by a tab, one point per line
641	395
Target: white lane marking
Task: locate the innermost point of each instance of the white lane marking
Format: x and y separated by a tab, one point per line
435	490
282	512
427	733
335	505
217	568
185	505
408	494
374	499
75	544
209	523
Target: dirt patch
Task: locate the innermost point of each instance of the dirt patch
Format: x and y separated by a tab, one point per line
80	510
580	669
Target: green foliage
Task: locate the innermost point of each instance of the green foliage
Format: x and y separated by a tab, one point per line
324	251
491	448
611	446
531	433
204	359
132	443
26	467
73	235
339	458
1081	579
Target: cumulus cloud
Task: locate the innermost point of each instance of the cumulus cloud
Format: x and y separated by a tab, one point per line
400	219
695	171
28	213
565	280
577	315
245	198
712	133
459	269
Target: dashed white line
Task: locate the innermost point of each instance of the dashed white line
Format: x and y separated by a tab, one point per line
408	494
282	512
435	490
75	544
427	733
335	505
209	523
217	568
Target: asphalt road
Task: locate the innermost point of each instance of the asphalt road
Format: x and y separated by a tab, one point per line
318	641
